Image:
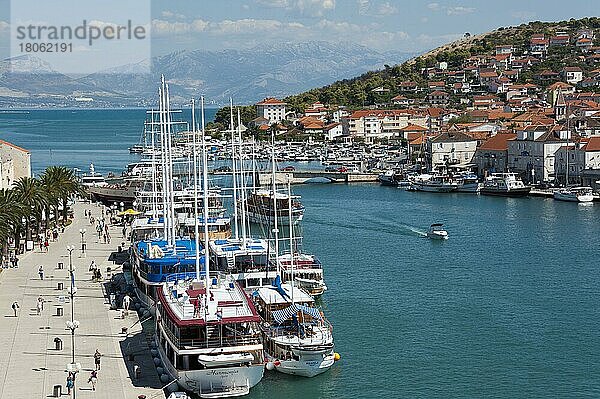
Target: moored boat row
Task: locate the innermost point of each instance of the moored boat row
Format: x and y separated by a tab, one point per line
228	304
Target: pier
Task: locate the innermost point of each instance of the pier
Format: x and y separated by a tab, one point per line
37	348
307	177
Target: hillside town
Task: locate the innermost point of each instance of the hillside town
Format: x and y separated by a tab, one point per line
490	113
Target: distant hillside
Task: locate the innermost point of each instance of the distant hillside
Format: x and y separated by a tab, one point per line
359	91
247	75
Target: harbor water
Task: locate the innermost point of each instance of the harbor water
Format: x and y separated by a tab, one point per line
507	307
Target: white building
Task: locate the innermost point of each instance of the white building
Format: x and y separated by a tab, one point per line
572	75
271	109
372	124
451	148
582	156
532	153
15	162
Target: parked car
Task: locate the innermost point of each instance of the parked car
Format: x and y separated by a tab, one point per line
288	169
342	169
331	169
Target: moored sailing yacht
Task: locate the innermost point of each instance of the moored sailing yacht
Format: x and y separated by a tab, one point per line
208	337
434	183
574	194
504	184
298	338
207	333
259	206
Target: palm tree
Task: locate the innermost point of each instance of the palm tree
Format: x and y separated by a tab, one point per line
30	194
60	184
11	212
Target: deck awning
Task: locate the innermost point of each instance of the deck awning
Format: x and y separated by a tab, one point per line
284	314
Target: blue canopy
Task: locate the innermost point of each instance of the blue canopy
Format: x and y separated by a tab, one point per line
284	314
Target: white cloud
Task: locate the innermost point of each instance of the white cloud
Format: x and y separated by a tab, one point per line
162	27
381	10
434	6
524	16
459	10
387	9
170	15
314	8
4	25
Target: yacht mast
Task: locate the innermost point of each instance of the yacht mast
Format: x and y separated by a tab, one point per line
196	238
170	169
154	188
243	188
163	156
205	190
291	235
233	170
568	139
275	229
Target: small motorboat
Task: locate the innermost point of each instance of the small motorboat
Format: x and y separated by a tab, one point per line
178	395
437	232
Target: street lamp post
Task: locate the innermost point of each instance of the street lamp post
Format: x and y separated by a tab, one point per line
83	244
72	324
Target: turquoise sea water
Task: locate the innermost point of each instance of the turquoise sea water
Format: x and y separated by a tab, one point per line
507	307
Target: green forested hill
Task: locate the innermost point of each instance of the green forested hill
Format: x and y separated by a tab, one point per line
357	92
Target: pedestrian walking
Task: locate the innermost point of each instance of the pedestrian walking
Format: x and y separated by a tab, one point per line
97	357
41	301
126	303
15	307
93	379
70	382
38	308
108	237
46	245
41	272
41	245
124	231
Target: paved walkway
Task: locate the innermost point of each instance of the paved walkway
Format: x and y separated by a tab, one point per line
30	365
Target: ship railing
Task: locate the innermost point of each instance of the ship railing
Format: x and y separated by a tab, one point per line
324	333
216	342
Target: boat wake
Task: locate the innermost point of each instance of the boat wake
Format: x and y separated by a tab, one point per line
382	226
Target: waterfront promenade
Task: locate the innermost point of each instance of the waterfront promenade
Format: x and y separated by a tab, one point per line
30	365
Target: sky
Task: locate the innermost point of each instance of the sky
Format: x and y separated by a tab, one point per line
382	25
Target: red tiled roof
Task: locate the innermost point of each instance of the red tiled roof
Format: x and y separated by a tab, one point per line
499	142
413	128
16	147
593	144
271	101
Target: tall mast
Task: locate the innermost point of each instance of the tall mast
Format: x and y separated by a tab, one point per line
205	190
154	189
275	229
568	139
170	169
233	170
242	183
163	162
291	235
196	238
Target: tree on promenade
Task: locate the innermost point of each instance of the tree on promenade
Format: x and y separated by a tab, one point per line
30	199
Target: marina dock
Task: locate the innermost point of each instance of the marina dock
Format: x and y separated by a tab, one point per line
305	177
37	348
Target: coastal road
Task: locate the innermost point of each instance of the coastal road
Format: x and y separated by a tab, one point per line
30	365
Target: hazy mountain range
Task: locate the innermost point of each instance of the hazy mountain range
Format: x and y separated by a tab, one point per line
247	75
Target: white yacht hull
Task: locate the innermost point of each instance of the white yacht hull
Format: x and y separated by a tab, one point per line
444	188
469	188
571	197
218	382
308	365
